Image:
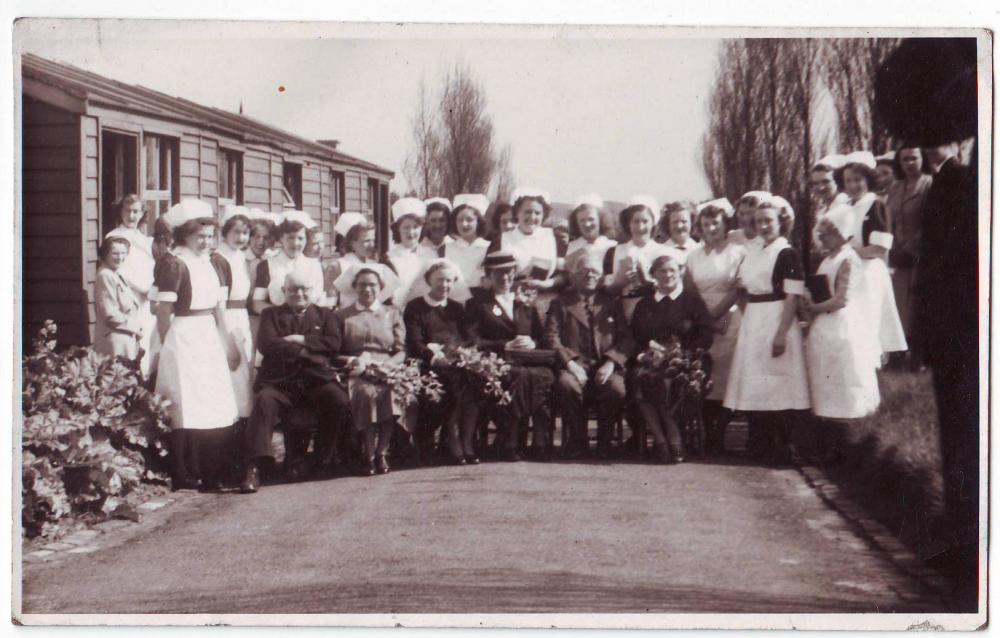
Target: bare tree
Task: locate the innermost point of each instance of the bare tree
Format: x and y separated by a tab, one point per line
849	67
422	164
503	180
467	159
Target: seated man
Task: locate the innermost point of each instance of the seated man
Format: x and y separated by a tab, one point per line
297	340
580	327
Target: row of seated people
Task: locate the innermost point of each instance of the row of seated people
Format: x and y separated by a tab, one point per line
577	360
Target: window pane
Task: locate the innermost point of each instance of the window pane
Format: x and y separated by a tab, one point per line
166	163
225	187
151	144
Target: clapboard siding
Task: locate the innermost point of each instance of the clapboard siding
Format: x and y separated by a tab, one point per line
52	205
91	228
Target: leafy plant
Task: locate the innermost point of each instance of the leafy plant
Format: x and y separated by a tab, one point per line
92	434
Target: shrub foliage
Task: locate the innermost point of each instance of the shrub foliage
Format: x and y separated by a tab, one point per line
92	434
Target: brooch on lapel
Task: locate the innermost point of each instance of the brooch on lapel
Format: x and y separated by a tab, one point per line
497	311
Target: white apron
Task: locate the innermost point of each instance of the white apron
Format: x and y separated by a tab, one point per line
238	324
841	352
714	276
758	381
409	265
468	257
193	373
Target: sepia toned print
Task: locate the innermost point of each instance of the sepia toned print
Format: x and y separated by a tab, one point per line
474	330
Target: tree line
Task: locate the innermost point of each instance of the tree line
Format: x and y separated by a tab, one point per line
780	103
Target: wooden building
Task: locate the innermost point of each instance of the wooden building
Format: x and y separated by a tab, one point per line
87	140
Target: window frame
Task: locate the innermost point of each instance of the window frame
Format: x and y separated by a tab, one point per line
233	158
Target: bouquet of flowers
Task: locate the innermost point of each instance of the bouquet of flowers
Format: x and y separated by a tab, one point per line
407	381
485	372
681	370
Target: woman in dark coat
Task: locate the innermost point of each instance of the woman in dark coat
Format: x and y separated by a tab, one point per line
497	321
434	323
669	312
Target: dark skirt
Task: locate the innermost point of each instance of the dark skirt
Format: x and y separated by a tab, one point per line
531	391
205	455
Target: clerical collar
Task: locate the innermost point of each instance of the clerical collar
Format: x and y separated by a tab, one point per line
433	303
673	294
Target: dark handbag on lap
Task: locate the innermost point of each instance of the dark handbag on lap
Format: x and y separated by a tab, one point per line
531	357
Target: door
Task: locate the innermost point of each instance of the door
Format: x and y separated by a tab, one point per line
119	174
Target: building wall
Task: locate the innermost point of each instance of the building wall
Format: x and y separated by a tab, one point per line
52	217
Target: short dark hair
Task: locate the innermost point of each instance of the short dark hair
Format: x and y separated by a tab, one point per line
233	221
126	202
108	242
897	163
625	217
354	233
662	259
675	207
574	227
521	201
436	266
289	226
863	169
265	226
453	222
190	227
498	212
709	211
838	173
367	271
394	226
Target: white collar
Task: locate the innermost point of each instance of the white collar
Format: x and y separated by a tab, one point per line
478	241
674	294
187	253
434	303
400	248
426	241
779	244
688	245
227	251
375	307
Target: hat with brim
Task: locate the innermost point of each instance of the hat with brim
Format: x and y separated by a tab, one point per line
345	282
473	200
499	260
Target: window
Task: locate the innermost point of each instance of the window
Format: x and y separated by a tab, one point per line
372	195
292	183
119	174
230	177
160	169
337	194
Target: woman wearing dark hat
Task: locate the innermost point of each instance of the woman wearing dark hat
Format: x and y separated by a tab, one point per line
499	322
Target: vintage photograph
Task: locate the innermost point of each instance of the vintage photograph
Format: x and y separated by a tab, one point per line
330	323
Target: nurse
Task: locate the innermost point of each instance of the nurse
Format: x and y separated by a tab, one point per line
436	226
587	230
468	250
271	272
407	257
626	265
230	261
137	271
746	207
532	245
197	346
676	224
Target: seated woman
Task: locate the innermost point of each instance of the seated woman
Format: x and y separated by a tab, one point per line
587	230
118	330
371	333
670	312
531	244
434	324
499	322
271	272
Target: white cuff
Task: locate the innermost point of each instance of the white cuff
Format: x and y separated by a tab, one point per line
260	294
223	294
166	296
795	287
879	238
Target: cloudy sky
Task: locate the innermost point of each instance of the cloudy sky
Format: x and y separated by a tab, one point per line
584	109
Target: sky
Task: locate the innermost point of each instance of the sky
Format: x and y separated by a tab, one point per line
584	109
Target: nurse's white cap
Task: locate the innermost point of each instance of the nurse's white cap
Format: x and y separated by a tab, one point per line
186	210
347	221
841	215
408	206
529	191
834	161
590	199
645	200
438	200
721	203
473	200
299	216
861	157
232	210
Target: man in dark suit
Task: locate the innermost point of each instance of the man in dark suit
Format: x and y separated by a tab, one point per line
927	93
580	328
297	340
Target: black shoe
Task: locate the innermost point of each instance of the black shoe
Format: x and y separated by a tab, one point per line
455	460
367	468
510	456
472	460
297	471
382	465
210	486
251	479
677	457
663	455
